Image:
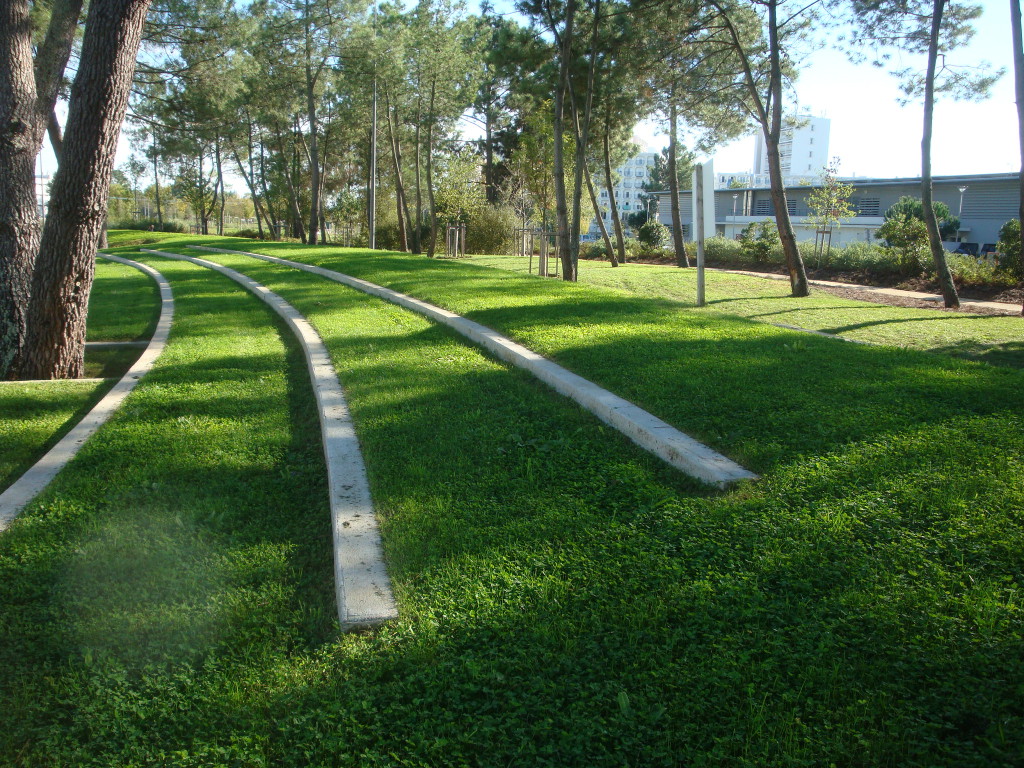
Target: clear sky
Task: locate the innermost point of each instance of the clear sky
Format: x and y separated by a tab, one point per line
872	135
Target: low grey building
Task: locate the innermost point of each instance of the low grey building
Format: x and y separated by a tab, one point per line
988	201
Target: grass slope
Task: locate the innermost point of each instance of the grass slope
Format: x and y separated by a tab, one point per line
998	340
123	306
566	599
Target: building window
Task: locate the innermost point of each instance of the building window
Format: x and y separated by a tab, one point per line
868	206
763	208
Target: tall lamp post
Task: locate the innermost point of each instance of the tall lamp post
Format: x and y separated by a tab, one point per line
960	213
735	199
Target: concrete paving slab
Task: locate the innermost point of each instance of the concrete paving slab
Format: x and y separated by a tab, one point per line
29	485
362	586
646	430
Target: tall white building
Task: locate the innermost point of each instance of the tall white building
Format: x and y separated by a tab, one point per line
629	190
803	148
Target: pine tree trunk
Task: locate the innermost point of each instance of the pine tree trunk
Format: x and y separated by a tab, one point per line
156	186
673	185
620	241
417	232
558	125
403	236
19	221
794	262
220	186
432	240
942	272
600	221
55	343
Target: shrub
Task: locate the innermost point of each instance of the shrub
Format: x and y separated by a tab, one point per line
869	257
653	233
491	229
145	224
1012	259
759	240
970	270
594	250
949	224
249	234
907	238
722	249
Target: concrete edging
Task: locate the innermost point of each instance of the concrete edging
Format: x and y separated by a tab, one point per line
30	484
643	428
362	586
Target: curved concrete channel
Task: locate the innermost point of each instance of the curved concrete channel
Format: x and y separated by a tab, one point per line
362	587
32	483
646	430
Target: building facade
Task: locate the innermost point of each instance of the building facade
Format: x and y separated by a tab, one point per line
803	148
629	195
986	202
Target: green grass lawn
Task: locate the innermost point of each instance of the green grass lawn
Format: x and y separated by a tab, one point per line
566	599
123	306
998	340
34	416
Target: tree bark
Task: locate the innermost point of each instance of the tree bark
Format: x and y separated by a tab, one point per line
600	221
403	236
156	186
55	342
314	154
942	272
562	86
293	196
432	239
19	221
673	185
794	262
55	134
417	232
1018	81
620	242
220	185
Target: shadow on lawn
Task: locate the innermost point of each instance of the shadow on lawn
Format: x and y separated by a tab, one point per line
567	600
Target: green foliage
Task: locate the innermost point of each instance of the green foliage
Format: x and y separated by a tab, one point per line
829	203
759	240
723	250
145	224
491	229
907	238
908	206
1009	246
653	234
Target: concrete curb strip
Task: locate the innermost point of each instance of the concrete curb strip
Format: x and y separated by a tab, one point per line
29	485
644	429
362	586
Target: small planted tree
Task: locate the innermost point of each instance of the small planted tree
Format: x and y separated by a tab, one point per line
829	205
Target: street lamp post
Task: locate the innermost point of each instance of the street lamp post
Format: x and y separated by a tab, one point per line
735	199
960	213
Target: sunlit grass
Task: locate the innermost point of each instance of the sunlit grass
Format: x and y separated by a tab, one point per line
566	600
